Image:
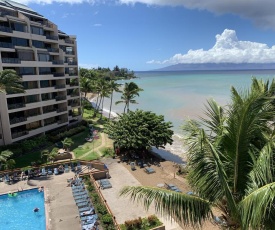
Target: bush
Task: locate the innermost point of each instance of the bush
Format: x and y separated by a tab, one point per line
100	208
152	220
107	219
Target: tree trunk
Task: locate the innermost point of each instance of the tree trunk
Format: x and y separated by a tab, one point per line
111	105
102	108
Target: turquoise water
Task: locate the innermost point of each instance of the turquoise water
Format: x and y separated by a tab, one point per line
182	95
17	212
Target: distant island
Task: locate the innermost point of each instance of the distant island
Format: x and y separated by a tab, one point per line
218	66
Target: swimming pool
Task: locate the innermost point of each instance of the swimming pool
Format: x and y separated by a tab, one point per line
17	212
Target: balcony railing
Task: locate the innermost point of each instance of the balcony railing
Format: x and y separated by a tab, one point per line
11	60
17	120
51	37
74	95
49	123
60	110
62	86
74	84
58	62
5	29
49	110
45	73
72	74
53	50
72	63
16	106
69	41
58	74
33	114
61	98
70	52
74	104
5	13
6	45
62	121
19	134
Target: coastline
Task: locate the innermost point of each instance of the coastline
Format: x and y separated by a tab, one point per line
174	152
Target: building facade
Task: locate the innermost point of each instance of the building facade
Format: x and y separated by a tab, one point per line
46	60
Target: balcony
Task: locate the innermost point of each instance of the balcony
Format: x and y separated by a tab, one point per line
53	50
58	62
60	110
70	52
6	45
61	86
72	63
69	41
5	29
74	104
49	123
62	121
50	37
19	134
60	98
11	60
74	84
45	73
16	106
49	110
17	120
58	74
72	74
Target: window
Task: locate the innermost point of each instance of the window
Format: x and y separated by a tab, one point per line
43	57
25	55
45	70
20	42
38	44
44	84
37	30
18	27
27	71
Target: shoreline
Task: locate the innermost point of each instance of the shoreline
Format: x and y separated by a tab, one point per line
175	152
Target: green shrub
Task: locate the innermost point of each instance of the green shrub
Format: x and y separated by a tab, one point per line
100	208
107	219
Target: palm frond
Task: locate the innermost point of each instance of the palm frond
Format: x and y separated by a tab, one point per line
183	208
257	208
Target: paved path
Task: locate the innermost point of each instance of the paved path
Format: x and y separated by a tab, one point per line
122	208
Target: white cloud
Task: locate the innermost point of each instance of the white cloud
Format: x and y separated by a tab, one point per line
227	49
97	25
260	12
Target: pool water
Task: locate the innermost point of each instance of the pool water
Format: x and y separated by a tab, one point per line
17	212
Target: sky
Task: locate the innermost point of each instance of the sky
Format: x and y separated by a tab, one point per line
145	35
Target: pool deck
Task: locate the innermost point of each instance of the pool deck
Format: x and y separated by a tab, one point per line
59	201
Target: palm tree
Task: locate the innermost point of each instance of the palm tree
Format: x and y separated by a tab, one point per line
113	86
103	91
4	156
130	91
67	143
9	164
10	82
85	85
50	156
231	165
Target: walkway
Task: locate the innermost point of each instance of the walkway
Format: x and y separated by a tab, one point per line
122	208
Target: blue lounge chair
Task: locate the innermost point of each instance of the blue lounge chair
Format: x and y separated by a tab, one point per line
66	168
85	209
88	212
149	170
43	172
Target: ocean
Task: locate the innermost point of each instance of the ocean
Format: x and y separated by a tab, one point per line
182	95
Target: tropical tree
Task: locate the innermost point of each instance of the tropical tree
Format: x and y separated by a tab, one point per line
140	130
103	91
231	165
50	155
86	85
113	86
4	156
9	164
130	91
10	82
67	143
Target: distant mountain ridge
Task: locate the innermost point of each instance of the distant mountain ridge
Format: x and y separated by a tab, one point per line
218	66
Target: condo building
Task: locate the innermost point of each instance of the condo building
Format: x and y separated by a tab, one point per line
46	60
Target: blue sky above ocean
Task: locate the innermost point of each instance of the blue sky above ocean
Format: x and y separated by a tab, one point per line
151	34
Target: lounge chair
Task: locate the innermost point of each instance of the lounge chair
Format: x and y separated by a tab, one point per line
85	199
50	172
43	172
104	183
78	166
85	209
66	168
149	170
89	212
90	218
55	171
83	204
